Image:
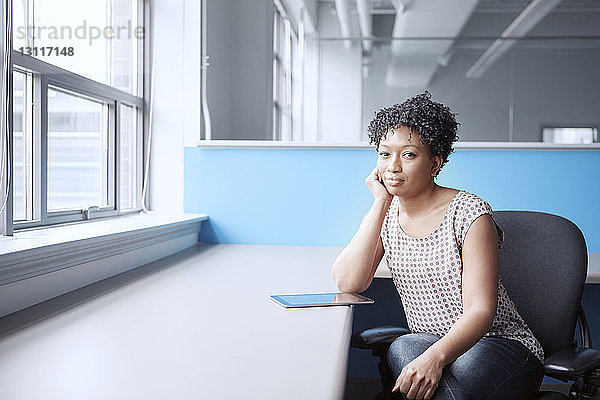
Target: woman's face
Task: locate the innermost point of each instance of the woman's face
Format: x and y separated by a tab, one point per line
405	165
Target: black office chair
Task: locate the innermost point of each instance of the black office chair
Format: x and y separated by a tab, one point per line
543	265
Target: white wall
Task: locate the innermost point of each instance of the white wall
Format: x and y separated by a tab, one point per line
191	72
170	112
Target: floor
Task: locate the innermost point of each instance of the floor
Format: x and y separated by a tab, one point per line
361	388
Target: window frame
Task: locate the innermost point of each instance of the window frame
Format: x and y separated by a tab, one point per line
45	76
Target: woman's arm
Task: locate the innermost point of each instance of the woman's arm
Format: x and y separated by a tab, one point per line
479	291
355	266
479	297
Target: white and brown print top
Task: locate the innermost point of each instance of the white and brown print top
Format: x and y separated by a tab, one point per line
427	273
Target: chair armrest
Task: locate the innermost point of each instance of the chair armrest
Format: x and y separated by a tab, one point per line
369	338
572	363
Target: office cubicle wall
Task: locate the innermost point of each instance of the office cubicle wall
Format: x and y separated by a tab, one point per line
318	196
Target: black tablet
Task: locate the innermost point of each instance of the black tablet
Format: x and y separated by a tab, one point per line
320	299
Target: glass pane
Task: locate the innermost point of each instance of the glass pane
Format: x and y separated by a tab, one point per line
77	152
124	47
506	75
240	98
510	99
19	12
128	153
94	38
22	148
399	69
555	85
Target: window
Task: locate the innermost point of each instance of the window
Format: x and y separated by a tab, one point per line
77	110
507	68
570	135
101	33
77	152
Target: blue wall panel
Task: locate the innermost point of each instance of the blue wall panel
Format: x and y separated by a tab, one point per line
318	196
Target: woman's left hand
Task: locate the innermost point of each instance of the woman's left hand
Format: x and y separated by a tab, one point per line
419	378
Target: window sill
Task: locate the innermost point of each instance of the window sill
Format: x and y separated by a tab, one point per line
35	252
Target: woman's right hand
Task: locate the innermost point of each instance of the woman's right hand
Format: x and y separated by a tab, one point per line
376	186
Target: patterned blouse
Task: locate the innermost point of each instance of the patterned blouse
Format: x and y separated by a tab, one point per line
427	273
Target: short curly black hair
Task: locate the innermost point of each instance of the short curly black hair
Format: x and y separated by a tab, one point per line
434	122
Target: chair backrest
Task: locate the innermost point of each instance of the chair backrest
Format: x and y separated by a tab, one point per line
543	266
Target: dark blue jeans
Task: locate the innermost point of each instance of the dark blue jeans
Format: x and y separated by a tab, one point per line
494	368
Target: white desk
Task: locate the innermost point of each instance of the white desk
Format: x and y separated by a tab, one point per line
164	331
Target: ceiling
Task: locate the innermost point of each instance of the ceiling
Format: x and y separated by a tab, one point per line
417	60
383	13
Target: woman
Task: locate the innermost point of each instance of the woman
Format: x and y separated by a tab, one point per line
467	339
